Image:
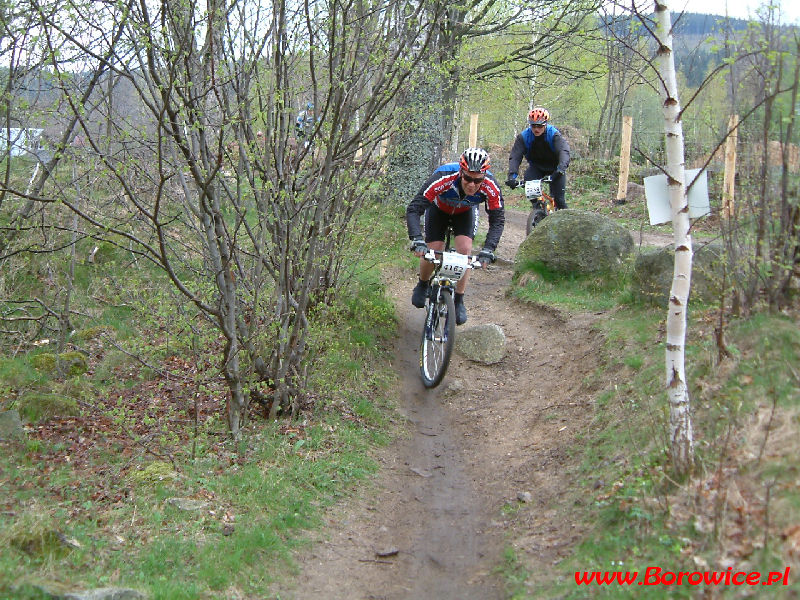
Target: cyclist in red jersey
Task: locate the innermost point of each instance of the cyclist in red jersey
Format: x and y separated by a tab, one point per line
451	196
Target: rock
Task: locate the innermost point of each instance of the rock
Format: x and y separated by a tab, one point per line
653	271
574	241
109	593
482	343
635	192
455	387
11	425
188	504
66	364
37	406
524	497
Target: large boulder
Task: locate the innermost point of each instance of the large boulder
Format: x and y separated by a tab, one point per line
576	241
653	271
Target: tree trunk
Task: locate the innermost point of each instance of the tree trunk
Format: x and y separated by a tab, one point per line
681	443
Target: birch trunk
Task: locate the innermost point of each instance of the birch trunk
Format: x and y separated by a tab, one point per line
681	445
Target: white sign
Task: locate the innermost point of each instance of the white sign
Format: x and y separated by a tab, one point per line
656	191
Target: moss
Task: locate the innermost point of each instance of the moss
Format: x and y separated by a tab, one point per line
45	362
90	333
38	406
35	533
73	363
154	472
79	388
67	363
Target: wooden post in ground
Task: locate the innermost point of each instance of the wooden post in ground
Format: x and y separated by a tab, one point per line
624	160
729	181
382	154
473	131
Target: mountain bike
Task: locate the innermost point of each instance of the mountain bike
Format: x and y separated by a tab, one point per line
439	332
542	203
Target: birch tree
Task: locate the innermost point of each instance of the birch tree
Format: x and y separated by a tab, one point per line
680	420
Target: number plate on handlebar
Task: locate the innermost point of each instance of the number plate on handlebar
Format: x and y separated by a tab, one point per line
454	265
533	188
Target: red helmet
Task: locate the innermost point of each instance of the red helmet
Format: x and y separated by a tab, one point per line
538	116
474	159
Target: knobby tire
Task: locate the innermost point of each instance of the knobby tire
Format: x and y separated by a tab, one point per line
535	216
436	346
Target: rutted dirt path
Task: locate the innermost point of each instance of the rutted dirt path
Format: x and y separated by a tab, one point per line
433	527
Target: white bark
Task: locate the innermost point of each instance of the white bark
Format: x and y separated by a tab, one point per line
681	443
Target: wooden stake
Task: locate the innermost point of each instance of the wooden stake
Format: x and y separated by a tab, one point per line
624	159
729	181
473	131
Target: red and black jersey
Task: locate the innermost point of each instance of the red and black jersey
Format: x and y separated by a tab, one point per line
443	190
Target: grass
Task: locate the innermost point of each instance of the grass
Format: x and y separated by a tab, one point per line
742	497
538	285
109	480
151	500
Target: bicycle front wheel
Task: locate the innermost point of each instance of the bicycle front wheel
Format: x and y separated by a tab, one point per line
535	216
438	337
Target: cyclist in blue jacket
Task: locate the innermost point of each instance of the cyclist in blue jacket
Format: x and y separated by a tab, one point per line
452	196
547	152
304	124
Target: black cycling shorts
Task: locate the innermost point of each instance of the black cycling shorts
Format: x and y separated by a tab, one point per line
436	222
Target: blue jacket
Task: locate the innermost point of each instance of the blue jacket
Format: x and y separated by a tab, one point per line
548	152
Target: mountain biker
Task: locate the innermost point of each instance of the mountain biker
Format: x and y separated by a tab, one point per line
452	195
547	152
305	121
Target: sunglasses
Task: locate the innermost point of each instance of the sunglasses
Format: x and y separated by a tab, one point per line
535	126
469	179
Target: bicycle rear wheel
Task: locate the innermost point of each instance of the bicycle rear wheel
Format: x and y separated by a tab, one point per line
438	338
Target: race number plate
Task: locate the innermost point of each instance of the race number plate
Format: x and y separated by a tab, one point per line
533	188
454	265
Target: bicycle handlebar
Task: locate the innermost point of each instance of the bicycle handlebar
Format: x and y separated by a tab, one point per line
518	183
431	256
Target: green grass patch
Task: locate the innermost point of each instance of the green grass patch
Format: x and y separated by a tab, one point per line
539	285
154	503
746	421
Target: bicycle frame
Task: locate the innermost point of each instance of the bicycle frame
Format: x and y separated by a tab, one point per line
450	266
536	195
438	336
542	203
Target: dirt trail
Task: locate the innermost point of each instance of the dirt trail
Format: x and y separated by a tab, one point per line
433	528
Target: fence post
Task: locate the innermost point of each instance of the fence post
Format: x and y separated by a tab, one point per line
473	130
624	160
730	167
382	154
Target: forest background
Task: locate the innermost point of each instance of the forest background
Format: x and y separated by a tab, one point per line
174	258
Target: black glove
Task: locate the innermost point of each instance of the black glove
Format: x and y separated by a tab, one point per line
556	174
512	182
486	256
418	245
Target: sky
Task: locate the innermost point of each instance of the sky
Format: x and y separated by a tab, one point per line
790	9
